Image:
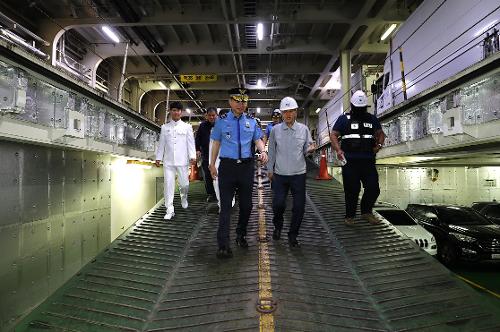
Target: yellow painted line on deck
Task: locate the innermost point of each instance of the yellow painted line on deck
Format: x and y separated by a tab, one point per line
479	286
265	290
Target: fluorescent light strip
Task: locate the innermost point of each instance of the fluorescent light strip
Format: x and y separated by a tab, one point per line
318	109
107	30
388	31
260	31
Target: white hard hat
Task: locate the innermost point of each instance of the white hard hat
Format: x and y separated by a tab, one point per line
276	112
288	103
359	99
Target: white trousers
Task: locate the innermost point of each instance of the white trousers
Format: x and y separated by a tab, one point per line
169	184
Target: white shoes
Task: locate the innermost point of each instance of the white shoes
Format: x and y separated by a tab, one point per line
184	202
170	213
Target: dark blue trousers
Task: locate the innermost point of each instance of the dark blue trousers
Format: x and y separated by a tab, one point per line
232	177
207	177
355	173
281	184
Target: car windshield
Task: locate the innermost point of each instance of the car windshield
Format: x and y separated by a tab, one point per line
461	216
492	211
397	217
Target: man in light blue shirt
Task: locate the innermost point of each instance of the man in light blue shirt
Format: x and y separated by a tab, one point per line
276	117
289	143
232	137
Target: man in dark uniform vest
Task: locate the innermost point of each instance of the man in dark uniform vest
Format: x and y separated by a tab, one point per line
361	138
232	137
201	142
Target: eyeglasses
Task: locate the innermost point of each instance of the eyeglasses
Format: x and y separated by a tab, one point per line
240	98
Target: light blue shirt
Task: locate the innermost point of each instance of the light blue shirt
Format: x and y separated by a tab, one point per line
269	127
235	135
287	149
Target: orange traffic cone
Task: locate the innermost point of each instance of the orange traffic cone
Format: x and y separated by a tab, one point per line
323	169
194	173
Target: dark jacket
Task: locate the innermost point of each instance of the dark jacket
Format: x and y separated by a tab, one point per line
202	139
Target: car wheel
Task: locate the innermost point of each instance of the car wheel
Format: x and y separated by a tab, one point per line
447	253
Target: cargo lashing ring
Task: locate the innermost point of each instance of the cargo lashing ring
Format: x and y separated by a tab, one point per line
266	305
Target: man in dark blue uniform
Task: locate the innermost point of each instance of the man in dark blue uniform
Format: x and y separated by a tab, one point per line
276	117
232	137
361	138
202	141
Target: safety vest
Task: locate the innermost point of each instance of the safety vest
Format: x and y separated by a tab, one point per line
359	135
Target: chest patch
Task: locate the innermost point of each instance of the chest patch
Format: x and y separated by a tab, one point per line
367	125
247	124
354	125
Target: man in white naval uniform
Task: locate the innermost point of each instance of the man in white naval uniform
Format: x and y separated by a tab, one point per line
176	149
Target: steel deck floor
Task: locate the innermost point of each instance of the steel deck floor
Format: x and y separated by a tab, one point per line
164	276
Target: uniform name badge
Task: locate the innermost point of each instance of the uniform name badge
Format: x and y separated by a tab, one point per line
367	125
247	124
228	135
354	126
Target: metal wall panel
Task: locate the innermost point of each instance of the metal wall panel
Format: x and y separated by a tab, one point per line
73	181
56	167
91	112
72	244
30	113
90	235
90	181
45	103
104	228
453	185
34	183
104	182
9	184
13	84
63	104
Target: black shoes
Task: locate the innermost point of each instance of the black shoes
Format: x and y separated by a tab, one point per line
293	243
211	198
276	234
241	241
224	253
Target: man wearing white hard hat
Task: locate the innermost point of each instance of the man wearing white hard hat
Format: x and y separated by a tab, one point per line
276	117
289	143
361	137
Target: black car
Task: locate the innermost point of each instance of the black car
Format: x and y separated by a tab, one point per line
461	233
490	210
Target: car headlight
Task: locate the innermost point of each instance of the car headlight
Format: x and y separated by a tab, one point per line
462	237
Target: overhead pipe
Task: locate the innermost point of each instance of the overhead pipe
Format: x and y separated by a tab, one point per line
14	25
122	77
238	41
128	13
16	40
229	36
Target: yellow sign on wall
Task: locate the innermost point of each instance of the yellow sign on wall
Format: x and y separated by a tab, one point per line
193	78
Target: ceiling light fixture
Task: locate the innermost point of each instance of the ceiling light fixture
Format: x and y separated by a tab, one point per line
260	31
107	30
188	111
259	83
258	109
388	31
318	109
162	85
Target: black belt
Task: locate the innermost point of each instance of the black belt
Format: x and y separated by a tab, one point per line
237	161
